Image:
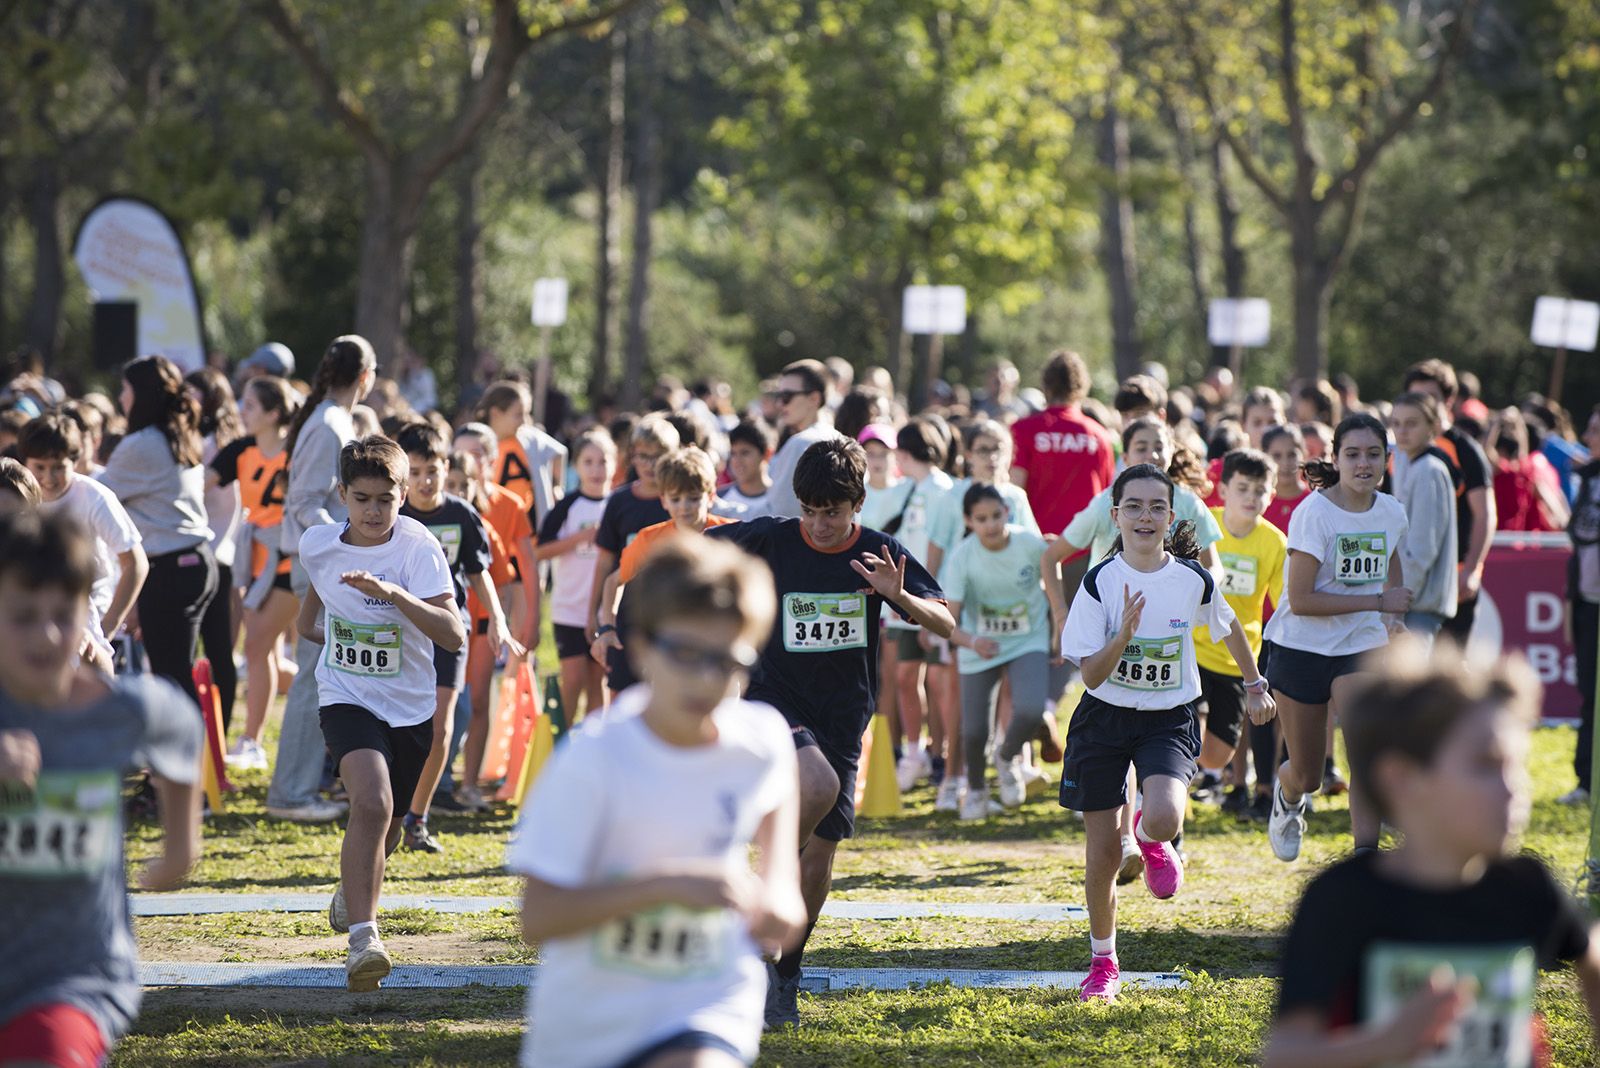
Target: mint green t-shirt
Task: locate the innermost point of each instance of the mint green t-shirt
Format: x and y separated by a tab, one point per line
949	521
1001	597
1093	526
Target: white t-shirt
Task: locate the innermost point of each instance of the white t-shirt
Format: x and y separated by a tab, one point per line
605	994
1158	668
572	573
749	506
918	501
98	509
372	656
1354	549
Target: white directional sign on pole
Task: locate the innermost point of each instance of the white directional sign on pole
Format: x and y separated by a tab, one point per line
550	302
1565	324
1246	322
934	310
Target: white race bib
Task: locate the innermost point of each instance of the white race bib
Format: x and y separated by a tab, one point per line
1004	622
1496	1032
822	622
67	825
1360	559
664	943
364	648
1238	574
449	537
1151	664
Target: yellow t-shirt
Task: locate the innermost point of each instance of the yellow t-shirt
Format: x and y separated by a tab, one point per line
1252	571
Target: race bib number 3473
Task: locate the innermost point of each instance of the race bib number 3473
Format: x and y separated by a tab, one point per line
67	825
364	648
1361	558
822	622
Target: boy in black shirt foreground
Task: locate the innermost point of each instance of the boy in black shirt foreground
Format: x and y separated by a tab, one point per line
820	668
1430	953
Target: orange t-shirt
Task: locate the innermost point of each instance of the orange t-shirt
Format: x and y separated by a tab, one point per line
639	549
500	574
508	516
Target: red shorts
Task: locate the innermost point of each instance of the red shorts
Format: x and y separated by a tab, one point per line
61	1035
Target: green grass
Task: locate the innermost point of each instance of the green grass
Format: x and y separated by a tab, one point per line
1224	928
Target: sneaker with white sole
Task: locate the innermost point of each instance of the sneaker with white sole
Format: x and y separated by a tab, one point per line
1104	981
912	768
247	755
951	791
1132	865
1286	826
338	914
1009	775
367	965
318	811
1035	783
1574	798
978	805
471	799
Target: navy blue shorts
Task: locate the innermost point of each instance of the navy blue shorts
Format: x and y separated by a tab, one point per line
681	1042
347	728
1302	676
450	669
840	822
570	642
1103	740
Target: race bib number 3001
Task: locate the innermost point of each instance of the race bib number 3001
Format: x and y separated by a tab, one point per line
1361	558
1151	664
822	622
664	943
1496	1032
67	825
364	648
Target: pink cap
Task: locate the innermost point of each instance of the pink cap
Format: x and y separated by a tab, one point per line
878	432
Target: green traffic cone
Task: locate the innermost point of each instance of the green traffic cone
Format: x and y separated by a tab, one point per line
552	706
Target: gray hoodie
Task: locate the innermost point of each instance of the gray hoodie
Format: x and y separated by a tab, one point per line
1428	551
312	496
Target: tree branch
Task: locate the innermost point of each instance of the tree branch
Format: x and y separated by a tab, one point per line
341	102
1306	163
599	15
1400	120
1247	161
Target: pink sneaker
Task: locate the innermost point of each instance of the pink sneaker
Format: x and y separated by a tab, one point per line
1104	980
1163	871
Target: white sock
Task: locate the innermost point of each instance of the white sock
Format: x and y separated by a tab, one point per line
1103	947
365	925
1138	832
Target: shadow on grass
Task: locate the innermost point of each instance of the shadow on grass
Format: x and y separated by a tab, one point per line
979	873
1224	954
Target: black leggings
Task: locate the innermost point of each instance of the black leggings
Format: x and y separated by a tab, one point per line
174	598
216	631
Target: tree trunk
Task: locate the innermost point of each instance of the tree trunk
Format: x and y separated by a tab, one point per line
469	276
1116	241
42	208
647	194
1234	266
388	247
1312	287
896	353
608	262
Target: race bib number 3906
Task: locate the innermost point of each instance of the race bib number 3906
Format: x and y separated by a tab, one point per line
822	622
364	648
1361	558
1151	664
1495	1032
67	825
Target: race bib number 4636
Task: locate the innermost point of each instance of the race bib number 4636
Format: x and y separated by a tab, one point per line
1151	664
1361	558
1496	1032
364	648
67	825
822	622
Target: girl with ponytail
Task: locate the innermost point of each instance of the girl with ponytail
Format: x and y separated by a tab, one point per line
320	429
155	471
1343	595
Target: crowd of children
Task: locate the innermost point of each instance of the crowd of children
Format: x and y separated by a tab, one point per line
732	600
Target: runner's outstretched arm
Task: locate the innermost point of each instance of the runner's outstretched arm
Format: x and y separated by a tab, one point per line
437	617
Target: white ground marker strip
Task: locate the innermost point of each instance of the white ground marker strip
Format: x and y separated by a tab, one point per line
427	976
219	904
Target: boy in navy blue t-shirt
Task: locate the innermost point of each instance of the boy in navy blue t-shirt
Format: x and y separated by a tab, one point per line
820	668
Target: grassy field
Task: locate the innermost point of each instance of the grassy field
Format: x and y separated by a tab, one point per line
1223	930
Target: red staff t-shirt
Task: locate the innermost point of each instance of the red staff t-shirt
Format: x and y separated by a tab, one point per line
1068	457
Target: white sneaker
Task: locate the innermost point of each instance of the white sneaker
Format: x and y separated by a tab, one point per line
1132	865
338	914
1035	783
1286	826
1012	790
908	771
951	791
471	799
978	805
318	811
367	965
1575	797
247	754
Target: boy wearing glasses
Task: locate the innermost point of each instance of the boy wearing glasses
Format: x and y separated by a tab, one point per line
803	414
820	669
639	889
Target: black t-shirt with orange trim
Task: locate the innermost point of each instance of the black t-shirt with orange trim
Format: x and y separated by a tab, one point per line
820	668
262	480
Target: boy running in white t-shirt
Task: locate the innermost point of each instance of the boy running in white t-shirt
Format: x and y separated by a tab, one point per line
1131	632
639	889
380	600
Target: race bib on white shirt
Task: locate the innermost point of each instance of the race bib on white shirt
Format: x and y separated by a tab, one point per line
664	943
364	648
67	825
1151	664
1359	559
822	622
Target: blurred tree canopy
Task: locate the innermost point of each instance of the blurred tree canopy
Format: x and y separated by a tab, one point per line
1398	179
